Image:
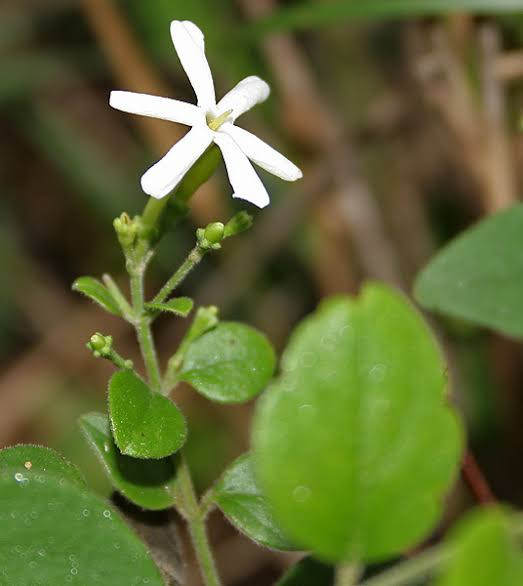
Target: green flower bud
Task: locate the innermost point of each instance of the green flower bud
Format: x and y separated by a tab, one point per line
214	232
126	229
209	238
100	345
239	223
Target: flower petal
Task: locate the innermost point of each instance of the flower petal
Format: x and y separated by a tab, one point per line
245	182
156	107
189	43
164	176
243	96
262	154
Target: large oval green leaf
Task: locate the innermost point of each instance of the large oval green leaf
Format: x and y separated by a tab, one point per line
145	424
147	483
239	497
479	276
231	363
54	532
354	445
28	460
484	552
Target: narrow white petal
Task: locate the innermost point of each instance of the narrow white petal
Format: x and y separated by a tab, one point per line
245	182
262	154
189	43
243	96
165	175
156	107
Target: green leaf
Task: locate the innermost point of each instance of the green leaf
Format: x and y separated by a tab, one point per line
28	460
55	532
229	364
242	502
150	484
354	445
479	276
97	292
314	14
308	572
484	552
145	424
180	306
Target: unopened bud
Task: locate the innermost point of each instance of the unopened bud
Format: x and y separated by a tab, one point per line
211	236
239	223
100	345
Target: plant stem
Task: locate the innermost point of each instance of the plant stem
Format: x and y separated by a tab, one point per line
347	574
143	328
118	296
153	210
194	257
195	517
421	566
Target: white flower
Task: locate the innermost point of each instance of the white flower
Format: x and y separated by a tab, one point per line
210	122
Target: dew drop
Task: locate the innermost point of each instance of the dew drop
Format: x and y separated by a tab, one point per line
301	494
377	373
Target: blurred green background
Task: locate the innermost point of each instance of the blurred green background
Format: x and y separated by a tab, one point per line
405	121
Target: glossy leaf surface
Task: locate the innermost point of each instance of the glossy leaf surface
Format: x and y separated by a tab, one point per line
28	460
150	484
239	497
55	532
479	276
144	424
354	444
229	364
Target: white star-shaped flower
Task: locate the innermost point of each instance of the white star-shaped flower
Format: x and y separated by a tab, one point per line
210	122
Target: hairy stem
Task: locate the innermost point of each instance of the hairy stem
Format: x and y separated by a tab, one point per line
195	517
412	570
194	257
347	574
143	329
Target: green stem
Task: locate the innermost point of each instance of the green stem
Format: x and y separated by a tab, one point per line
195	256
153	210
118	296
412	570
195	517
347	574
143	328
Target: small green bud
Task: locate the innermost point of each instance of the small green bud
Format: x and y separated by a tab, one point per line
100	345
214	232
126	229
209	238
239	223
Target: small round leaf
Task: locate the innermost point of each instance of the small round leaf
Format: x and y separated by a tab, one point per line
231	363
145	424
242	502
150	484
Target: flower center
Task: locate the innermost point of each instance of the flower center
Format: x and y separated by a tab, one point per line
214	122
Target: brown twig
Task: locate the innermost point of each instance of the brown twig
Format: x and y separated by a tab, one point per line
476	480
